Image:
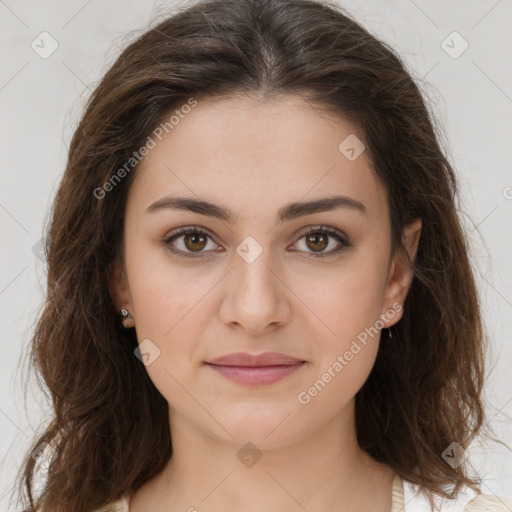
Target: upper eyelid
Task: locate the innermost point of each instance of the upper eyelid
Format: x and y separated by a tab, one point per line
300	232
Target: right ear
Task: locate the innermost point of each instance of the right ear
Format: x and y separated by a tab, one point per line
118	285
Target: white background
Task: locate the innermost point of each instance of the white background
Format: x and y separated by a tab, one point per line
41	101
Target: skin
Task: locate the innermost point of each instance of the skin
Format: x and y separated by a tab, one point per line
254	157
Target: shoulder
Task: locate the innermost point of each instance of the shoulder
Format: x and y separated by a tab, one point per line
121	505
468	500
489	503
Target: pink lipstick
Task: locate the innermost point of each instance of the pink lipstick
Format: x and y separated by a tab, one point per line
256	369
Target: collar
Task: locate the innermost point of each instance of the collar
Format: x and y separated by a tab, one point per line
415	501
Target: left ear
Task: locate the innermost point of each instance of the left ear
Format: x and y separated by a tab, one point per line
400	273
118	286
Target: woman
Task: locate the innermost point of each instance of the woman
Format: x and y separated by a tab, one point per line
259	294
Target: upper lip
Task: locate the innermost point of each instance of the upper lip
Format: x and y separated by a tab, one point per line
248	359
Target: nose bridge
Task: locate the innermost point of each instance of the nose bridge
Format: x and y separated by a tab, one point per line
254	273
257	297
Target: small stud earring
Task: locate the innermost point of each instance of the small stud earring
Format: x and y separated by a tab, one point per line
127	320
390	332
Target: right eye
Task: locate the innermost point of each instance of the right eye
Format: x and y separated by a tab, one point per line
192	240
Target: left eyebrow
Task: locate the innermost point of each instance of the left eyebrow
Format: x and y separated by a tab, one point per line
289	212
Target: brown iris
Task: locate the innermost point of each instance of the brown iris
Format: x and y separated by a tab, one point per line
317	241
197	241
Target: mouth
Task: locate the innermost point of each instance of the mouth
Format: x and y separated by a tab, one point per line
256	369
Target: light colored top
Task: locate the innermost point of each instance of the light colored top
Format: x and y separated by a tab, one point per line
404	499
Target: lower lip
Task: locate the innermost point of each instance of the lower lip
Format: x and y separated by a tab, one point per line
256	375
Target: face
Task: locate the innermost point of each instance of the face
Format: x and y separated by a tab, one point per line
314	284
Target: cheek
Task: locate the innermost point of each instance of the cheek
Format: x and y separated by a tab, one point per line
164	297
337	384
344	359
349	306
347	301
166	307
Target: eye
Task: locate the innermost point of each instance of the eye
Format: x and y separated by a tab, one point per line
317	239
193	242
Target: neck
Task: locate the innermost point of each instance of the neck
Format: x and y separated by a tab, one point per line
323	470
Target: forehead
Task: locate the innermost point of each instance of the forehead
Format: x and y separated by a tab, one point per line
249	152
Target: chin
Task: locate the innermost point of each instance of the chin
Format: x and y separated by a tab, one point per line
266	426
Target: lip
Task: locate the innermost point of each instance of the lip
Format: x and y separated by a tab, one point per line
248	359
256	369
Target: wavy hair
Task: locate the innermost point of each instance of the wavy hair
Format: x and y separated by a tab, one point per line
109	431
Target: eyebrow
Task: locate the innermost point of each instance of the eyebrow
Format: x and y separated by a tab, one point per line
287	213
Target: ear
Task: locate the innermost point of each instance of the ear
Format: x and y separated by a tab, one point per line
400	274
118	286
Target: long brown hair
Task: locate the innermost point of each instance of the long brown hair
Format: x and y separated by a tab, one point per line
109	432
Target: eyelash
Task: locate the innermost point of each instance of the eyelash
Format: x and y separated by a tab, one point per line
339	237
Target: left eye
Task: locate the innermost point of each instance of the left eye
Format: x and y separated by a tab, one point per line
194	241
318	240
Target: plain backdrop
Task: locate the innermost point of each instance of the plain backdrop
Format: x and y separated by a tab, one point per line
54	52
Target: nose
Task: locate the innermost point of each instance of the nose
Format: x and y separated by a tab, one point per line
256	298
